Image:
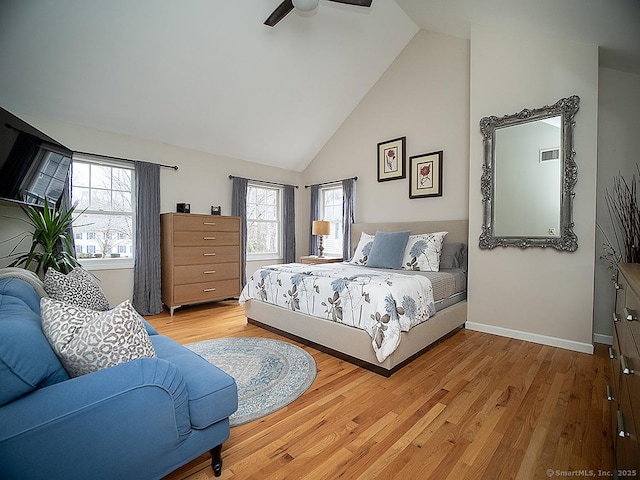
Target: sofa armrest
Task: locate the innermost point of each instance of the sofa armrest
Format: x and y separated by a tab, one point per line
109	392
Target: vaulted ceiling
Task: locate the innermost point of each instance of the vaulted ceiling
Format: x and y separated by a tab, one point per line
208	75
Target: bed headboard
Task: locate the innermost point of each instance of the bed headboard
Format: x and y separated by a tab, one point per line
458	229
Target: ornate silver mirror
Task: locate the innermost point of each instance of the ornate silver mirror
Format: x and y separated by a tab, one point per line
528	178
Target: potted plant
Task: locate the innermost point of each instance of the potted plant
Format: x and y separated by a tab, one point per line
51	243
624	210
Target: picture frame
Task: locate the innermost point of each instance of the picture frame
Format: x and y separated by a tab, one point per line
392	159
425	175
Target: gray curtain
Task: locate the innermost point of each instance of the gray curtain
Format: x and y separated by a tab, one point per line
289	227
348	215
314	215
65	206
239	209
147	284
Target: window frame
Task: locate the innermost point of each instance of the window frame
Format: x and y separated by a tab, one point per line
323	215
111	263
278	255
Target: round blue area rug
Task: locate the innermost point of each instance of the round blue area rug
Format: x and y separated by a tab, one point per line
269	373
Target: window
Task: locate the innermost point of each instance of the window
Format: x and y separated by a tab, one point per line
264	222
77	235
103	192
331	210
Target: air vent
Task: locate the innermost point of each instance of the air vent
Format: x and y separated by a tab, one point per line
549	154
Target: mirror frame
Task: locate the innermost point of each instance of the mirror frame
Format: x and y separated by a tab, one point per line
566	108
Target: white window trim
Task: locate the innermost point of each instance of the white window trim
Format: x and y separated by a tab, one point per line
112	263
256	257
329	186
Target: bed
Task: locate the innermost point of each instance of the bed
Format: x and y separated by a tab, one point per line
443	315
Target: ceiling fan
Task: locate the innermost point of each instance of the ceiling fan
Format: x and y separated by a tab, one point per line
306	6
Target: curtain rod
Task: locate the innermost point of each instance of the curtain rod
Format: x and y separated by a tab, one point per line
334	181
175	167
264	181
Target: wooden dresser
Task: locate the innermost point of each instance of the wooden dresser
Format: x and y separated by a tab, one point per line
200	258
625	361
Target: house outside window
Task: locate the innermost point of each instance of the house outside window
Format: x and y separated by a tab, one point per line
104	192
264	222
331	210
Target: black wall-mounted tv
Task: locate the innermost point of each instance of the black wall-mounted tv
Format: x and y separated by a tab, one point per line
33	166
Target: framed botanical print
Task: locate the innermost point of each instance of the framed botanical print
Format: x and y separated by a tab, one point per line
392	159
425	175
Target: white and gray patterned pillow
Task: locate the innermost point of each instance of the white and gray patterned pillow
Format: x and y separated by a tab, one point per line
78	288
423	252
361	255
87	340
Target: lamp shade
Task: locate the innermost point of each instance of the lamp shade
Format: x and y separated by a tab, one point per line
321	227
305	5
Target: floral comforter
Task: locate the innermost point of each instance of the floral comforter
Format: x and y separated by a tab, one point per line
382	302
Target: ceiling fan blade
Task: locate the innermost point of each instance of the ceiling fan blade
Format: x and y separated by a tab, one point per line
279	13
359	3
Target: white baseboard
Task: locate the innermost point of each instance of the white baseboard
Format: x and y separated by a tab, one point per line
531	337
605	339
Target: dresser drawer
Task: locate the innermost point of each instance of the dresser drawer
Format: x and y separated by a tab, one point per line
190	222
185	274
614	355
627	447
201	255
207	291
204	238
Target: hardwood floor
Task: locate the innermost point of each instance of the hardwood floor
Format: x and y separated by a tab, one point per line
475	406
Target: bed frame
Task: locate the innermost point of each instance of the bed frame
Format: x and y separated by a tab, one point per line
354	345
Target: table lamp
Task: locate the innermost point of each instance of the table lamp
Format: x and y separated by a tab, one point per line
321	227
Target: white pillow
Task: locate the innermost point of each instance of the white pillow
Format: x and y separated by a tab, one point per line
362	250
423	252
88	340
78	287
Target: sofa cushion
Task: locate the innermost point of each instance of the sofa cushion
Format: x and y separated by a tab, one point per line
27	361
87	340
20	289
78	288
213	394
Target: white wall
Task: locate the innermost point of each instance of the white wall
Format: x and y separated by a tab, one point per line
424	95
202	179
542	295
618	147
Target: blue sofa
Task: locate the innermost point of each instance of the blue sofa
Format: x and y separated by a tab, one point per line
137	420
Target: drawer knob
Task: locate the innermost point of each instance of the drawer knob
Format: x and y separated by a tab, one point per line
616	318
630	314
612	353
617	286
209	290
610	394
209	272
209	238
627	367
209	223
209	254
622	431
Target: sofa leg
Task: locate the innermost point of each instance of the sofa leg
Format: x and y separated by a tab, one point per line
216	460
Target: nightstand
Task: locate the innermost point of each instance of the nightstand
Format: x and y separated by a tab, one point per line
314	259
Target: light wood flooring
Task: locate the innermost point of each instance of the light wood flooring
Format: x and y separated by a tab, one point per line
476	406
